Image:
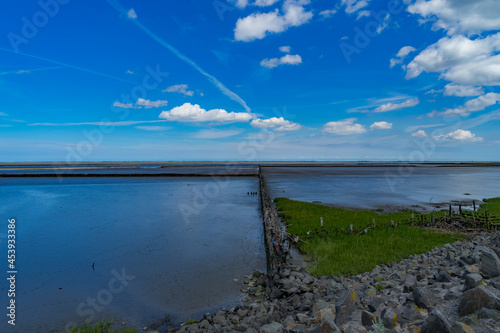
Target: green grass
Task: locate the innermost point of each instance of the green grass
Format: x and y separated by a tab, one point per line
101	326
302	217
351	254
492	206
344	254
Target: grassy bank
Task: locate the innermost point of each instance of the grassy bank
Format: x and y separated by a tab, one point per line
102	326
344	254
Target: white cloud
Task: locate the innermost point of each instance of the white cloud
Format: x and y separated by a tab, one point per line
180	88
419	134
328	12
285	49
363	13
279	124
3	114
100	123
477	104
129	72
131	14
152	128
459	16
403	52
216	134
240	3
150	104
458	135
123	105
344	127
396	106
264	3
259	25
384	24
460	60
194	113
380	125
352	6
462	91
287	59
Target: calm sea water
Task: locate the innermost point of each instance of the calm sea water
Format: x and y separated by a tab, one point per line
160	246
427	187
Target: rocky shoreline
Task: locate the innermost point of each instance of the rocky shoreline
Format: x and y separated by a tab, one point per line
454	288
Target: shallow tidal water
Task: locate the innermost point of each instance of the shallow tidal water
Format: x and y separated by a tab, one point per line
424	188
160	247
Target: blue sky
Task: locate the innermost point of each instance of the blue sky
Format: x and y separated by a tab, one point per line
115	80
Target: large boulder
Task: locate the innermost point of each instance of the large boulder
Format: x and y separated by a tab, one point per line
424	298
474	299
345	307
272	328
490	264
436	322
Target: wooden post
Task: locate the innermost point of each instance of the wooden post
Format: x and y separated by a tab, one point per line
449	214
433	219
351	228
392	223
412	217
460	209
322	228
474	204
373	221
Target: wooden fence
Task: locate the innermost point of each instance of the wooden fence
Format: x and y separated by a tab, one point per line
463	219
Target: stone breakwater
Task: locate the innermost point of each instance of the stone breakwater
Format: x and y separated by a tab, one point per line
454	288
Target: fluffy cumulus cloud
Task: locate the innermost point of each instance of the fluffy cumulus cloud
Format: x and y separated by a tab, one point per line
461	60
403	52
285	49
477	104
288	59
194	113
459	16
259	25
458	135
462	91
419	134
396	106
131	14
150	104
380	125
353	6
344	127
180	88
278	124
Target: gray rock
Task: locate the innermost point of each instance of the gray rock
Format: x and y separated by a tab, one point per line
272	328
472	281
302	318
389	318
459	327
443	276
328	325
488	314
374	303
345	306
491	263
424	298
436	322
356	328
475	299
367	318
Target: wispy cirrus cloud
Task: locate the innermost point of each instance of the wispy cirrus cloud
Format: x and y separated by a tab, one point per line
100	123
396	106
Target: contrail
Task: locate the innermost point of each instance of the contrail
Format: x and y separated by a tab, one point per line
30	70
162	42
67	65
